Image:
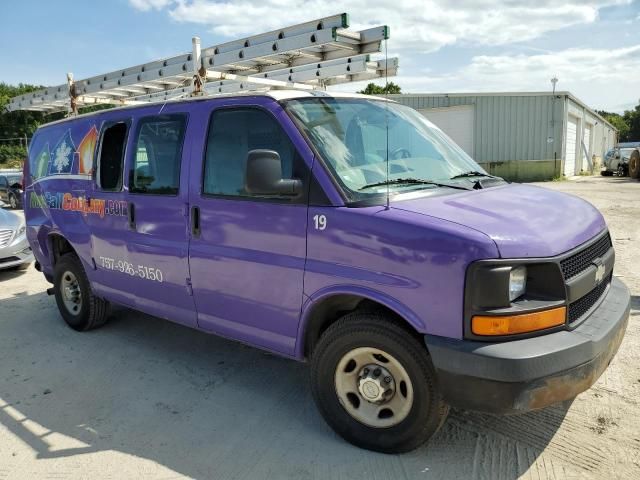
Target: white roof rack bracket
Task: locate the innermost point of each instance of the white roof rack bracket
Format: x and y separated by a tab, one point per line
308	55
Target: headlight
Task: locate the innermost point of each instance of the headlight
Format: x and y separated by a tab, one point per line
517	282
21	229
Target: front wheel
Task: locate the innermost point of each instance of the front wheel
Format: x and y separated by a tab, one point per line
375	385
13	201
78	306
621	170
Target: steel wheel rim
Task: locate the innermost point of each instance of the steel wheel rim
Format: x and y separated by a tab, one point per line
71	296
374	400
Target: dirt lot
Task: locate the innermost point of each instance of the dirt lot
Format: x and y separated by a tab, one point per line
144	398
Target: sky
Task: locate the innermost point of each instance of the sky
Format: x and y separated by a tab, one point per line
444	46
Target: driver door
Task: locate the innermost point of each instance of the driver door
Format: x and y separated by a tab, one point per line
247	253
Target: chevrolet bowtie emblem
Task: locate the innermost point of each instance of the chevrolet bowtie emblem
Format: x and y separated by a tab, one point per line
600	271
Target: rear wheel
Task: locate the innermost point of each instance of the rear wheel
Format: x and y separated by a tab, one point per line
606	173
634	164
78	306
375	385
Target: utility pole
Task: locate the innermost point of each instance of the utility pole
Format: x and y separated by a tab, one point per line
551	137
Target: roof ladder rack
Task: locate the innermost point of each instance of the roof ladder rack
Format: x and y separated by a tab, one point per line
310	55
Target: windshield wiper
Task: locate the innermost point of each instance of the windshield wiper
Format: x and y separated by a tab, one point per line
472	173
412	181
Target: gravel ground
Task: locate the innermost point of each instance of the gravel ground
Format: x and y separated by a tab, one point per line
144	398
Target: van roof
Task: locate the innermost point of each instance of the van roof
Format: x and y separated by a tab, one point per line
276	94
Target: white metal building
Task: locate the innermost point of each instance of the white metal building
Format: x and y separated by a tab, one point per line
521	135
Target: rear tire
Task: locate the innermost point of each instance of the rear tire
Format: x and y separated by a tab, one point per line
375	385
634	164
606	173
78	306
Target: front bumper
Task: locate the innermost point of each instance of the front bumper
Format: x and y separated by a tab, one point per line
522	375
16	254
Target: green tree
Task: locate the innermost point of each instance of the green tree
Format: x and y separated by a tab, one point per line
632	119
617	121
16	126
373	89
628	124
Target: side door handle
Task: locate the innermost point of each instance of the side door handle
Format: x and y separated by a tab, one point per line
195	221
131	215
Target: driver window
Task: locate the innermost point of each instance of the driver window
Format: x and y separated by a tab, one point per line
232	134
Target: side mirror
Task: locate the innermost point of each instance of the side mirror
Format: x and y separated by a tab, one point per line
264	175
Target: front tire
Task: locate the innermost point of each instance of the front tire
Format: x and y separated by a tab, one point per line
375	385
78	306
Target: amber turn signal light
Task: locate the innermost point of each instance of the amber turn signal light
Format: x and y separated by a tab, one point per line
523	323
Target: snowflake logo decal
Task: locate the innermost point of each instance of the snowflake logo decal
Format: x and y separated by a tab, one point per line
63	154
61	161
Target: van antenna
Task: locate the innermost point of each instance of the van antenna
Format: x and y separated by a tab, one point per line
386	116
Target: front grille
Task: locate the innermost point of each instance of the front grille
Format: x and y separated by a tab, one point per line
581	306
5	236
580	261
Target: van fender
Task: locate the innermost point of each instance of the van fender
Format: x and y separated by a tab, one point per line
376	296
86	260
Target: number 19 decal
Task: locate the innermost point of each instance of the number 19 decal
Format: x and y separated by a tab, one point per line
320	222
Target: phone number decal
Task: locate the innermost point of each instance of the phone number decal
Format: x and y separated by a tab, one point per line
141	271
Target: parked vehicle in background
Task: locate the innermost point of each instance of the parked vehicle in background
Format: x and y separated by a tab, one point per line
15	251
407	276
616	161
11	188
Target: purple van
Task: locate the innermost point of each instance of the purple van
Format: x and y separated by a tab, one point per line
344	230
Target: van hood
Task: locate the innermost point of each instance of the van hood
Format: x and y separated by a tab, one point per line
523	220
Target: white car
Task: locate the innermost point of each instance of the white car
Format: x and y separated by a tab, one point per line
15	252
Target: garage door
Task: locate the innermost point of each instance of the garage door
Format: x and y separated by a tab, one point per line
586	150
456	122
570	155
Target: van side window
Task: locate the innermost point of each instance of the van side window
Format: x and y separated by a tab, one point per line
112	156
158	155
232	134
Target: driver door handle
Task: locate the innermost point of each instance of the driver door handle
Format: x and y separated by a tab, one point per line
131	215
195	221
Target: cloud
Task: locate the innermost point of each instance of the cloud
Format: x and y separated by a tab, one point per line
601	77
146	5
424	25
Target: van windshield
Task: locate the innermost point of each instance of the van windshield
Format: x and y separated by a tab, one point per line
351	136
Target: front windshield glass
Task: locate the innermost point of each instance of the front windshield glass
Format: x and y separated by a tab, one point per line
351	136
